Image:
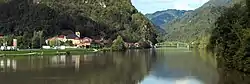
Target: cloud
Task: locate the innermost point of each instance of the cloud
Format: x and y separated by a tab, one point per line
149	6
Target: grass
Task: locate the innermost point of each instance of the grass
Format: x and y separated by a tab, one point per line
105	49
44	52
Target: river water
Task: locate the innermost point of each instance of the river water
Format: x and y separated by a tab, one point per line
152	66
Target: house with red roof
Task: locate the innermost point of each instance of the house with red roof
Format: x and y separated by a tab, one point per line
132	45
75	39
86	42
1	35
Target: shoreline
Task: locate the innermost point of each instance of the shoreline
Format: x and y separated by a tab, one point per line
46	52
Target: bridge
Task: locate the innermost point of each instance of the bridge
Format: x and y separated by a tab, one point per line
172	45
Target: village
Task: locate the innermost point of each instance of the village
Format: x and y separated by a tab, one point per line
71	41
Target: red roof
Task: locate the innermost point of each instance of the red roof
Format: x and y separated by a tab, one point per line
86	38
1	35
76	38
51	38
61	36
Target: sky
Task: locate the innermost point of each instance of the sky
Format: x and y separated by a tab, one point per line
154	80
151	6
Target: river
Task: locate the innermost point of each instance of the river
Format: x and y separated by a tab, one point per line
151	66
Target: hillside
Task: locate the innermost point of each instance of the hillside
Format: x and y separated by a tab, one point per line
161	18
98	18
196	24
230	42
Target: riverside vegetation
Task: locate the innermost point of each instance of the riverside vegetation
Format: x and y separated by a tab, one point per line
230	42
30	21
220	26
231	37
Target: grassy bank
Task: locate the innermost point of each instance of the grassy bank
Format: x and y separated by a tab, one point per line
45	52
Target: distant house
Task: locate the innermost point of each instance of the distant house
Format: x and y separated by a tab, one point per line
137	45
102	42
85	42
132	45
72	36
62	38
129	45
75	39
1	35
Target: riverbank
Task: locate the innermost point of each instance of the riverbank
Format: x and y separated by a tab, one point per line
46	52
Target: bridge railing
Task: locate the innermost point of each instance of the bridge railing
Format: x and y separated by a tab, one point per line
173	44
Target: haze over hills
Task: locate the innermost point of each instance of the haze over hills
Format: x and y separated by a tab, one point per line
109	18
198	23
161	18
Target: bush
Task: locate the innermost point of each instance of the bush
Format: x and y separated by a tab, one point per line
145	44
68	43
118	44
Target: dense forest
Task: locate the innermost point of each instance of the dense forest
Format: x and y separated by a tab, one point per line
230	40
231	36
32	20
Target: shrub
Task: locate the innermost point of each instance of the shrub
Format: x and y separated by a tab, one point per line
118	44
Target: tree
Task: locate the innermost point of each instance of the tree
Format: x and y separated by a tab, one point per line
145	43
22	42
52	43
1	41
248	4
68	43
118	44
37	39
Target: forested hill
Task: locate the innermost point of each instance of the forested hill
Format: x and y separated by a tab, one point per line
197	24
230	42
101	18
161	18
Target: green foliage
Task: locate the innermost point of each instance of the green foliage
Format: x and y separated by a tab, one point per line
23	42
68	43
52	43
248	4
53	17
37	39
56	43
230	38
118	44
1	41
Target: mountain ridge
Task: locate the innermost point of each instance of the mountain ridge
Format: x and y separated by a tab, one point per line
161	18
198	23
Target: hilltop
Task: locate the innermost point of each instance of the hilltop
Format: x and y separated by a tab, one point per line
161	18
197	24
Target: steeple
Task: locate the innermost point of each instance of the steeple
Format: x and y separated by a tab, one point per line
78	34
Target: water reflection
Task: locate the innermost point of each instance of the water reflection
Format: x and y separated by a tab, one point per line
181	67
155	80
233	77
131	67
7	65
226	76
97	68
